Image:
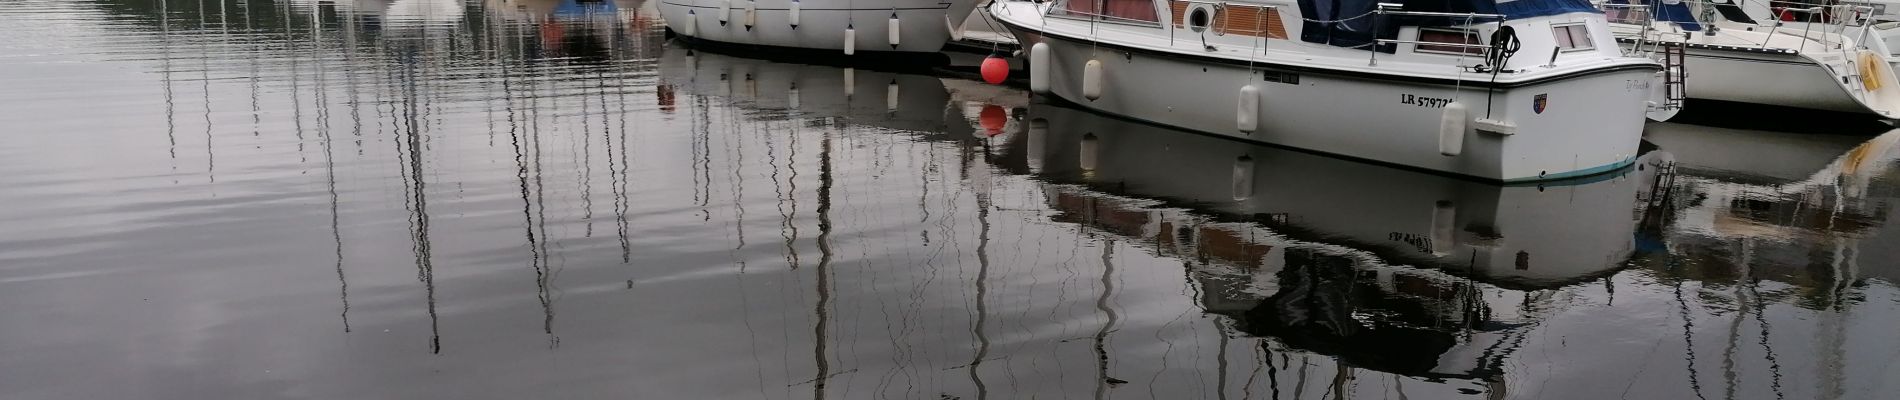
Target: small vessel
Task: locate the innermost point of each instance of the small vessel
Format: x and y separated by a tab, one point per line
851	27
1742	52
1515	91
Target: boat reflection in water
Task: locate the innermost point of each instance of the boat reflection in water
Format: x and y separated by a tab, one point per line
1322	254
858	96
1814	215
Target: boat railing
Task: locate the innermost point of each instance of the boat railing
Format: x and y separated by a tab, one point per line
1384	9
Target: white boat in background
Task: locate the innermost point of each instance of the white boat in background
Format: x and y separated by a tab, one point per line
851	27
1737	51
1513	91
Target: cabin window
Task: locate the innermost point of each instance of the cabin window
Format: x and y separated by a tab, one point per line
1114	10
1452	38
1573	37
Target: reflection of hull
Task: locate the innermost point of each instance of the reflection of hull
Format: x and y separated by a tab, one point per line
1533	235
890	100
1318	264
1775	156
1844	198
923	24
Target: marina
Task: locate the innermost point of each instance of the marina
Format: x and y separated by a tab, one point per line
476	199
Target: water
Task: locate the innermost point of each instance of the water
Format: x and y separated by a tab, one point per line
536	199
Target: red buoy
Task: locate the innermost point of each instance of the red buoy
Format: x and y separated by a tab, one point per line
993	118
995	70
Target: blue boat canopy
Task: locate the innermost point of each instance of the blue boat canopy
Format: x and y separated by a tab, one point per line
1349	23
1679	13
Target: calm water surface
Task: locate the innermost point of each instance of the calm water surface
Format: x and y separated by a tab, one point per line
544	199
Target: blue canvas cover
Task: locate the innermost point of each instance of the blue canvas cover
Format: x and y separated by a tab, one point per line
1521	9
1347	23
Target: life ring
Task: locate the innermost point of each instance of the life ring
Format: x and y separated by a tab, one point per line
1874	72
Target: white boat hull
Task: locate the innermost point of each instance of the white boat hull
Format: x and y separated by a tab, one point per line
922	27
1789	80
1588	124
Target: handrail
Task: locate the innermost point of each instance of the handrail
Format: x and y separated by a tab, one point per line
1393	9
1402	41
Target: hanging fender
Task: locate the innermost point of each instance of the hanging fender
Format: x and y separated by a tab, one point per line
792	15
1451	129
1092	80
850	40
894	30
1247	118
692	24
725	11
1039	68
751	14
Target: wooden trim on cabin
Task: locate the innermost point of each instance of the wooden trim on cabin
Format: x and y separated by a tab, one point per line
1236	19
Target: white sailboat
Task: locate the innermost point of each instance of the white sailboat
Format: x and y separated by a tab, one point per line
1741	51
1511	91
851	27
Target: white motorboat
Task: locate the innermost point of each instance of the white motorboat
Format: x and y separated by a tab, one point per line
1732	54
1513	91
852	27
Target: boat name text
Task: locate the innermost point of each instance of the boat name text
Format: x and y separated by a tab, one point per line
1422	101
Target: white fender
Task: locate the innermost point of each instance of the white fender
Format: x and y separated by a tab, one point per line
1247	118
1243	178
1038	141
692	24
791	97
751	14
725	10
1444	216
1091	147
956	32
850	40
850	81
1092	80
792	16
1451	129
894	31
1039	68
890	96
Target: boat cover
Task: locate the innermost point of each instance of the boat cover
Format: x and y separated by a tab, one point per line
1678	13
1349	23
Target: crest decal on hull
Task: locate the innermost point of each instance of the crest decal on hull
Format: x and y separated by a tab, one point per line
1540	102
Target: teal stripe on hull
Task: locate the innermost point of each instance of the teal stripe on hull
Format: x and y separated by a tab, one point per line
1592	171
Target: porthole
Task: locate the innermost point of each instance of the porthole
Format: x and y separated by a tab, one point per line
1200	16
